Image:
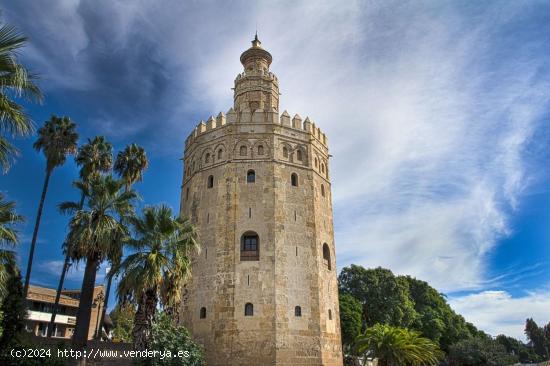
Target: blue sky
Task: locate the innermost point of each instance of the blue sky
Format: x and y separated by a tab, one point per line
437	115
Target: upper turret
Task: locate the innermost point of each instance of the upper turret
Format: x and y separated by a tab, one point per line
256	88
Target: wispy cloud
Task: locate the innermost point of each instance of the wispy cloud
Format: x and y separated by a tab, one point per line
497	312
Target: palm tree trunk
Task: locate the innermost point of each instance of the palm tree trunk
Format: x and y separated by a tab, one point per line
83	315
109	282
143	320
66	265
35	232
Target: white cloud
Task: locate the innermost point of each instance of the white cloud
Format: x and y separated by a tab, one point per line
497	312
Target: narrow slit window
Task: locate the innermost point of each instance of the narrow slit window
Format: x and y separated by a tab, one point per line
329	314
299	155
220	153
298	311
210	181
250	212
203	313
285	152
322	190
326	256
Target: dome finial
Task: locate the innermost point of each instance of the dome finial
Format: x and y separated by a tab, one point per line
256	42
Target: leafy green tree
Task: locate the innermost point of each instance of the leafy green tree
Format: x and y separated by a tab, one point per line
166	336
515	347
395	346
384	297
158	269
56	139
95	233
15	82
8	239
12	309
480	351
535	334
435	318
93	158
123	322
350	319
129	165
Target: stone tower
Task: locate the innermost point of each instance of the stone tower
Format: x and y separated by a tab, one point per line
256	184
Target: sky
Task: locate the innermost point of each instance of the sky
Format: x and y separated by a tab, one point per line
436	112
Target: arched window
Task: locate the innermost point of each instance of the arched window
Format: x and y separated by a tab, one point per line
329	314
251	176
210	181
299	155
294	179
297	311
250	246
207	158
243	151
260	150
322	190
248	309
322	168
202	314
285	152
220	153
326	256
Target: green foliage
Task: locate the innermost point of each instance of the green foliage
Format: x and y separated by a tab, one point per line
513	346
405	302
15	81
123	322
395	346
56	139
8	239
480	351
385	298
539	338
13	310
94	157
161	262
350	319
169	337
130	164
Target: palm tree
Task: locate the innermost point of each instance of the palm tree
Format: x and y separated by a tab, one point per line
15	81
95	233
56	139
94	158
159	267
8	238
394	346
129	165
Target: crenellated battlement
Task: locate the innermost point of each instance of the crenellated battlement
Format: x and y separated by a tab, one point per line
257	117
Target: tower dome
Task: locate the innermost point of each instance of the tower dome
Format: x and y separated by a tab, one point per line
256	58
256	88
